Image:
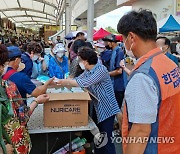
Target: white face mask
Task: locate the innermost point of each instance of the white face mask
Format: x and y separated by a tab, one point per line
35	57
21	67
82	66
129	52
60	54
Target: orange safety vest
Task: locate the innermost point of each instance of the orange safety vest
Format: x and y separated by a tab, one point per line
166	76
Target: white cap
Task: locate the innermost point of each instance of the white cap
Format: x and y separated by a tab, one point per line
59	48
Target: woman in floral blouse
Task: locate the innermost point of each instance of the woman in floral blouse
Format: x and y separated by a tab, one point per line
14	114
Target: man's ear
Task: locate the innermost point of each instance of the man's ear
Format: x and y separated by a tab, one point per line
133	37
16	60
167	47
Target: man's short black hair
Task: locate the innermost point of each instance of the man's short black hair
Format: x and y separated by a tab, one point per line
79	34
141	23
166	40
86	53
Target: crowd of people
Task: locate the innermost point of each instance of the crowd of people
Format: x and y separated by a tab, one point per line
150	91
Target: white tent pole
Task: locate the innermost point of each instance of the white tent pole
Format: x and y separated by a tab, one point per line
68	17
90	20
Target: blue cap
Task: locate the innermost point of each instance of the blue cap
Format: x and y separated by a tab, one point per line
14	51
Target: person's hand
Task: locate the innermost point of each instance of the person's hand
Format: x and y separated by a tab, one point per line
9	149
122	64
41	59
63	82
42	98
50	81
56	80
60	82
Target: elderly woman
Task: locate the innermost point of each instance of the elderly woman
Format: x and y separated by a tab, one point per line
58	64
14	113
97	80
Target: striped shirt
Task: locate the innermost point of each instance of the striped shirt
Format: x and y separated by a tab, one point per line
98	82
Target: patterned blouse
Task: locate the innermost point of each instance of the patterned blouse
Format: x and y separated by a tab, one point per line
20	109
15	119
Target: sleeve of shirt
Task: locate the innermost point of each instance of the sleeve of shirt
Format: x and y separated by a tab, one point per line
46	60
28	85
81	76
34	71
119	57
94	78
141	96
40	70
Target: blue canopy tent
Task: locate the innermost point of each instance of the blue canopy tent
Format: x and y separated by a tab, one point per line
170	25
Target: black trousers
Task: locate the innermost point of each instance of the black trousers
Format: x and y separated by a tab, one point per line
119	97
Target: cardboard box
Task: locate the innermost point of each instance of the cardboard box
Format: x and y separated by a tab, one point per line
66	109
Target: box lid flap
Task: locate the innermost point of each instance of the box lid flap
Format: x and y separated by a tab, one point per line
69	96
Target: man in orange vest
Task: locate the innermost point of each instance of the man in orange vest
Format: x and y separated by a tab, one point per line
151	117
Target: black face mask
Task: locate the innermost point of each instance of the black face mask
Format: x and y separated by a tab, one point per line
108	47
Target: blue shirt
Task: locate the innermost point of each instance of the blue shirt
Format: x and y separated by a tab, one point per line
116	57
173	58
37	67
28	64
106	57
23	83
58	69
98	82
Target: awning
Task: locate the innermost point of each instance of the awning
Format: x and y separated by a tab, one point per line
31	12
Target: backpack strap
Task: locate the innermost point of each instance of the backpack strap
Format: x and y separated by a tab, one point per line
9	74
